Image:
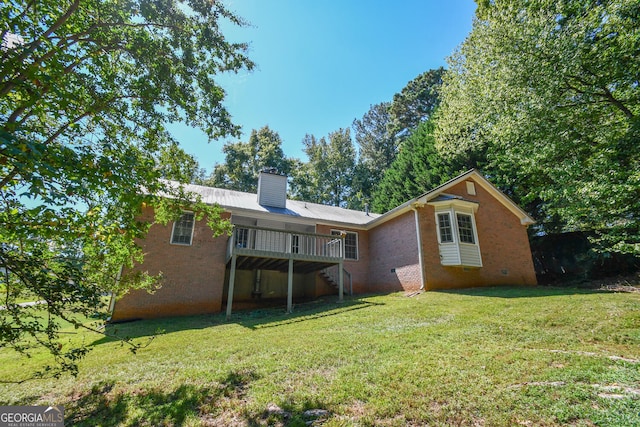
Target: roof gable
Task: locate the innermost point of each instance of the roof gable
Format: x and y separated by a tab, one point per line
440	192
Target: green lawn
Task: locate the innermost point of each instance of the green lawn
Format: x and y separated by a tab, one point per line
485	357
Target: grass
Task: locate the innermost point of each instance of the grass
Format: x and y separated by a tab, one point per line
487	357
23	297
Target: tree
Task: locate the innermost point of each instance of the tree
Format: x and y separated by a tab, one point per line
548	93
417	169
327	177
176	164
415	103
245	160
86	89
376	151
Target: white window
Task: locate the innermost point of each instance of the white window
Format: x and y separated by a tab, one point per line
444	228
242	237
183	229
465	228
350	244
457	235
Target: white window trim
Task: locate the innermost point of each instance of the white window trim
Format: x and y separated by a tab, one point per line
452	208
473	226
451	225
357	258
173	229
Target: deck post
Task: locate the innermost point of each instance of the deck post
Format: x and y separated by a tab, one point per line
290	286
232	279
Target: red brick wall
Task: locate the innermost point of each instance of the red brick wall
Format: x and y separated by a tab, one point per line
193	275
393	246
358	269
504	247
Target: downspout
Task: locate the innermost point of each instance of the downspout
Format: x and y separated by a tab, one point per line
414	208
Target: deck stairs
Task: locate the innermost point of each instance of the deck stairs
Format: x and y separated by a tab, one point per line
330	276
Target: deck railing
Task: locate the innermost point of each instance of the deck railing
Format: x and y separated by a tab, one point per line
246	239
333	275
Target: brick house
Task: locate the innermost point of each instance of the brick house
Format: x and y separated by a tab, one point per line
464	233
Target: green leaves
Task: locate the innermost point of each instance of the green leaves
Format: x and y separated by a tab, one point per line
547	94
86	90
245	160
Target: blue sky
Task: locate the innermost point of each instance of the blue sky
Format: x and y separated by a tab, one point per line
323	63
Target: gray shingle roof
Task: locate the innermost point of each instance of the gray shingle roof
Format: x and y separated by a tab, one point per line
237	201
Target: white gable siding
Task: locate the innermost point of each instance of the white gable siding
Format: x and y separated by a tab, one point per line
449	254
470	255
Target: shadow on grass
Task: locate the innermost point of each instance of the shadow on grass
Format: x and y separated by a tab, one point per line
522	291
259	319
251	319
221	403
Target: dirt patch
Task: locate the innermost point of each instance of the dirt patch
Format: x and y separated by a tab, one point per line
629	283
588	353
616	391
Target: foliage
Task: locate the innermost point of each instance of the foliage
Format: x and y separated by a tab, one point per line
415	103
335	173
376	151
327	177
245	160
501	356
177	165
547	93
380	133
86	88
417	169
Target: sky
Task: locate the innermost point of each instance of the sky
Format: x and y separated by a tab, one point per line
323	63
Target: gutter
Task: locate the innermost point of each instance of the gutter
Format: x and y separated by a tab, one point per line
414	208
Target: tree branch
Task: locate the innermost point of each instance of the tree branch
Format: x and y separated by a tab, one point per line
31	47
603	92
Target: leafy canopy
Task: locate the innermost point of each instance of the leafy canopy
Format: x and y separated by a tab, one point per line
86	90
548	94
327	177
417	169
245	160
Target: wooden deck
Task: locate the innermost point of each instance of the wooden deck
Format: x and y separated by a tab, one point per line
256	248
259	248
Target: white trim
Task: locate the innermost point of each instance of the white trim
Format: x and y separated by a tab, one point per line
453	237
357	258
173	229
452	208
291	219
474	235
471	188
473	174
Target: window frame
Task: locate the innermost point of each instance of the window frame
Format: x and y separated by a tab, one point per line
450	226
242	237
459	252
173	230
336	232
470	231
